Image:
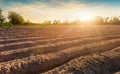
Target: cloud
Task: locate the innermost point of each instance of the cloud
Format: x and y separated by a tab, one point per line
39	10
43	4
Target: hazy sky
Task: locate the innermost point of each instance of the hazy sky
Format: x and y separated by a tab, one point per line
39	10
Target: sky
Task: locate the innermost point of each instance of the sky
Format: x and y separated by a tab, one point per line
40	10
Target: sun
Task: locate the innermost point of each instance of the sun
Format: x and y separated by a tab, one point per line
86	18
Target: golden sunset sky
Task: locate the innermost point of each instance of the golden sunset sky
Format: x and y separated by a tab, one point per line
40	10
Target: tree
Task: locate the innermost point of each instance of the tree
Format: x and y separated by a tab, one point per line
2	18
57	22
15	18
115	20
99	20
47	22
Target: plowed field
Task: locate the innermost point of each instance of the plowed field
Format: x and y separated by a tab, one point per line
75	49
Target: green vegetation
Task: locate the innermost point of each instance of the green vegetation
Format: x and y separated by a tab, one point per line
15	18
2	19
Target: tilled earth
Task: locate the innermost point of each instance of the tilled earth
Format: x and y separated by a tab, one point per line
79	49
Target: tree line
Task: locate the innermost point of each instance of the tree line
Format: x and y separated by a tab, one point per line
15	19
96	21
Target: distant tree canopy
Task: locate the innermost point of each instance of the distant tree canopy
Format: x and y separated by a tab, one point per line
15	18
115	20
2	18
99	20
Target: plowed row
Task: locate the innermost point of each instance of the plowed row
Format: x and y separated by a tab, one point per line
60	49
